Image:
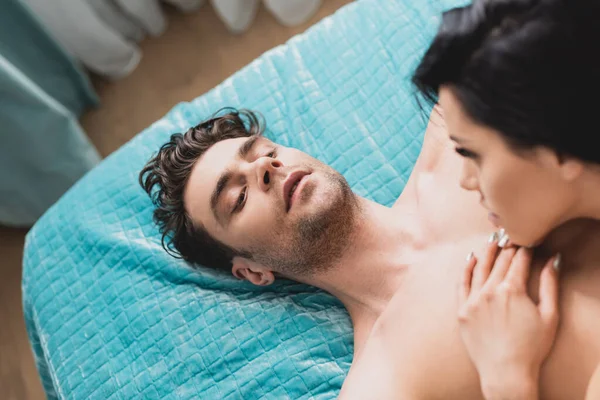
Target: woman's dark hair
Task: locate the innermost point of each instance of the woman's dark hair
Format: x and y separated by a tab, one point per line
169	171
525	68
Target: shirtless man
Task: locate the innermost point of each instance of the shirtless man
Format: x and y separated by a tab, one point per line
231	199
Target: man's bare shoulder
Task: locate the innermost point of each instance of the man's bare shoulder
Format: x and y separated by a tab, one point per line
435	144
435	141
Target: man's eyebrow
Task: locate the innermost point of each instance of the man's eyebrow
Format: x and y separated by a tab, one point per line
247	146
224	179
214	198
457	139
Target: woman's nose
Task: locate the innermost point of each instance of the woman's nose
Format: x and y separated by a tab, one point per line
468	179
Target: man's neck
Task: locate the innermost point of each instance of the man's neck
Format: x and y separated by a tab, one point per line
370	271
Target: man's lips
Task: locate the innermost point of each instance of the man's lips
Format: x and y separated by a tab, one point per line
292	179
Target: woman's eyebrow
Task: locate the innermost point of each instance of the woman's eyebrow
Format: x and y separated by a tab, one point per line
457	139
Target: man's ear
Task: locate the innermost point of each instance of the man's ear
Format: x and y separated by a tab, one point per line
251	271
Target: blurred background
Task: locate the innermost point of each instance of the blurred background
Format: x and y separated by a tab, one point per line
78	79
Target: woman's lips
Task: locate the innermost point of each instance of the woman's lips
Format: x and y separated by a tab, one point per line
494	219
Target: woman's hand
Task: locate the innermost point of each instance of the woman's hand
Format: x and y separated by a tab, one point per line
506	334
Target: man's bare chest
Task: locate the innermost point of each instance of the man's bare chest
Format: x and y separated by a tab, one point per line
415	345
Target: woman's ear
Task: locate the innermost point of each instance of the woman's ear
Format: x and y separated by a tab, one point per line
251	271
571	168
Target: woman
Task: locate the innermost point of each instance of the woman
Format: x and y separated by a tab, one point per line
517	83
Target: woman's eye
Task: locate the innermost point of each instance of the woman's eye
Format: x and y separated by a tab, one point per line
465	153
272	154
240	202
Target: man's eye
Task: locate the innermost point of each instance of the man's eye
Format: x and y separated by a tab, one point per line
465	153
240	202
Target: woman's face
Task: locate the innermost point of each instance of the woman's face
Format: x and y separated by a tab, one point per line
528	193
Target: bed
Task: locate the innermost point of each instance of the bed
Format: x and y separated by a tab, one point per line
111	316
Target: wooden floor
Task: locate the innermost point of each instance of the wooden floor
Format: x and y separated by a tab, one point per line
195	54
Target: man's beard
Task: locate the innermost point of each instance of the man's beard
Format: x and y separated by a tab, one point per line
319	239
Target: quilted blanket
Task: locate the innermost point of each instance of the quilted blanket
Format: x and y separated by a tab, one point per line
111	316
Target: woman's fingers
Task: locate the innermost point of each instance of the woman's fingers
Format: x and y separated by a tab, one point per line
484	266
503	239
548	304
501	267
465	283
518	272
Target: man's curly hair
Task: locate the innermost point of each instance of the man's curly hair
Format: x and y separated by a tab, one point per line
170	170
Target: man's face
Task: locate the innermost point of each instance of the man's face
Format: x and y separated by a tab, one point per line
291	212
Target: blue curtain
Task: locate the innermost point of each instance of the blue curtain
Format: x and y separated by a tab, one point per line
43	149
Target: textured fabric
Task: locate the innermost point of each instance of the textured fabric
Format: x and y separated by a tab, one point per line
43	150
110	315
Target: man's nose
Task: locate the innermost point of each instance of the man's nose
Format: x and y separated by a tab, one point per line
266	170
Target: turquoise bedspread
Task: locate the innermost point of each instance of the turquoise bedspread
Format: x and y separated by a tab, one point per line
111	316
